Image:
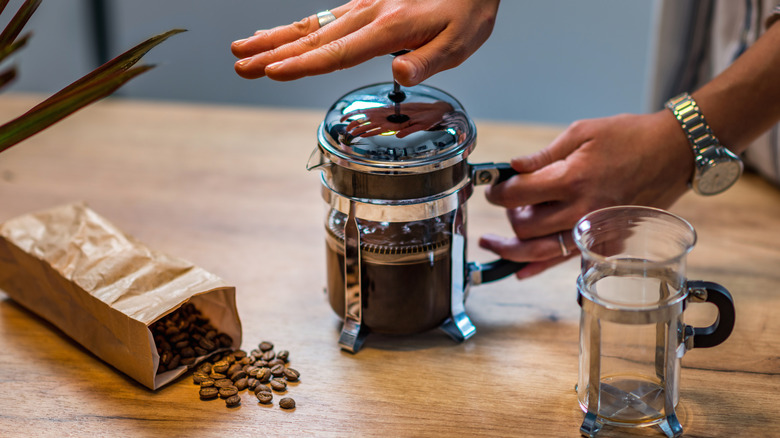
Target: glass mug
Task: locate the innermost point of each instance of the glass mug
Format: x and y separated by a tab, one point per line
632	291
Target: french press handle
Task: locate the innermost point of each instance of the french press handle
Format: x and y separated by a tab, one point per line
492	173
720	330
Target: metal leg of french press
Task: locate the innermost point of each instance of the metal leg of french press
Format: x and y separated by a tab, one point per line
591	424
458	326
353	333
671	425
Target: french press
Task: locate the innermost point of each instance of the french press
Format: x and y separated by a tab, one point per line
396	181
633	292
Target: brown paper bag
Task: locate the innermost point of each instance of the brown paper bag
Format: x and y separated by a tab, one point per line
104	289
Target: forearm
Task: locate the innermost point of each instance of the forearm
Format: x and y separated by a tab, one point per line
744	101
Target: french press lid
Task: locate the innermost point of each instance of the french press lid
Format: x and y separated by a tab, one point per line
383	130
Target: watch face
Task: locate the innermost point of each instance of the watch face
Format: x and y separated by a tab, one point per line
719	176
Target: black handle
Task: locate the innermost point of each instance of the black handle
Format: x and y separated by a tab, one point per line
719	331
499	269
505	172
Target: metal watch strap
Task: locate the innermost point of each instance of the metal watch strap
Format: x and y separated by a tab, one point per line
693	123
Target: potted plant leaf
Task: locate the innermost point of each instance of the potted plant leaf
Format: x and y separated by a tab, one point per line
96	85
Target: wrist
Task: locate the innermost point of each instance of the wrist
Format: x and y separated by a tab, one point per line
715	167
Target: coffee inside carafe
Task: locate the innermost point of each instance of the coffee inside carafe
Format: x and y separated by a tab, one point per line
405	272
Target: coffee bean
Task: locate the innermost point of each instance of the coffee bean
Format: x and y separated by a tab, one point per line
287	403
263	375
233	401
268	356
278	385
228	391
241	384
265	346
264	397
275	362
207	382
208	393
239	354
252	383
190	360
236	367
221	383
174	363
246	360
217	376
240	374
205	367
277	370
200	351
291	375
220	367
165	357
261	388
207	344
283	355
179	337
198	377
251	370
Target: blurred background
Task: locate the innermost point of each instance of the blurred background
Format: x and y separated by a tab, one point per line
551	61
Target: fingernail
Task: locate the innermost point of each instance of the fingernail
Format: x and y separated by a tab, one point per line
275	65
414	72
239	42
243	62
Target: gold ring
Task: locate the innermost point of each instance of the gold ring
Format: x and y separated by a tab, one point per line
564	251
325	17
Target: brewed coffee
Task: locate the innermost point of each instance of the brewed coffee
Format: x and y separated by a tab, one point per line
405	272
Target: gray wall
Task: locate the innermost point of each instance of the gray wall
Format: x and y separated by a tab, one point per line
551	61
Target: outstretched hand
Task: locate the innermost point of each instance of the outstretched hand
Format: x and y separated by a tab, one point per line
441	33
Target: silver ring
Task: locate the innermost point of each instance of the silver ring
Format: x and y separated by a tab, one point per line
325	17
564	251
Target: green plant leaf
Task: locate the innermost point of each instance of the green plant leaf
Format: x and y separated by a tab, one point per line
14	27
121	62
96	85
7	50
7	76
43	116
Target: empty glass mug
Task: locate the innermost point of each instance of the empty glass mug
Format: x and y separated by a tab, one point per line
633	291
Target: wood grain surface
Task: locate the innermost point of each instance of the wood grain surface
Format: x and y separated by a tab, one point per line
226	188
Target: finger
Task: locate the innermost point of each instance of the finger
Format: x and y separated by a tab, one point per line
336	47
269	46
544	185
563	145
264	40
531	250
534	221
418	65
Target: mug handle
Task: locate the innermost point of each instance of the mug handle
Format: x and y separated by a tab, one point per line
719	331
493	173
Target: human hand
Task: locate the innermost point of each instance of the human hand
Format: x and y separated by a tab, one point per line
619	160
441	33
375	121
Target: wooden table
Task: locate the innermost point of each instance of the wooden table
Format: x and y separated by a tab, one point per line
226	188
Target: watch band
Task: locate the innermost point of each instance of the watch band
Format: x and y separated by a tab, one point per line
691	119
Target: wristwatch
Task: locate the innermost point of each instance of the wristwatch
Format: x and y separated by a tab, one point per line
716	168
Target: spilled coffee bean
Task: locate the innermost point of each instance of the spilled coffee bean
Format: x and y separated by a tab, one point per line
287	403
227	374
